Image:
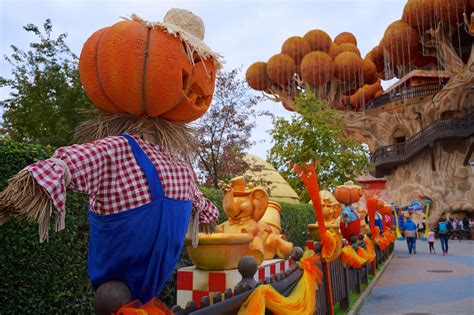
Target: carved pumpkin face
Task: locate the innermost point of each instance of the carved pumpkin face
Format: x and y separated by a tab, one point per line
131	68
198	89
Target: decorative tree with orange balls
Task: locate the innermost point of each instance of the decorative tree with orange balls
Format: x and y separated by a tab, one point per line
333	70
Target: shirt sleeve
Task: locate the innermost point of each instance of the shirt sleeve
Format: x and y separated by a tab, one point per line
78	167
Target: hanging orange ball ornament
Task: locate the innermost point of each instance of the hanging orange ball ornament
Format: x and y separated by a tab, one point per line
349	47
358	99
377	57
281	68
344	38
334	50
348	67
318	40
449	11
257	78
296	47
317	68
420	14
369	72
400	43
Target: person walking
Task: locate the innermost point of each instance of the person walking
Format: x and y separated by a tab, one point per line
410	235
421	229
444	228
431	240
465	223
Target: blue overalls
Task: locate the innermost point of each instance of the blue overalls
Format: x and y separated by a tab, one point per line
140	246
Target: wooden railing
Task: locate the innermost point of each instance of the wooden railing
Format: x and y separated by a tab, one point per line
404	93
390	156
343	282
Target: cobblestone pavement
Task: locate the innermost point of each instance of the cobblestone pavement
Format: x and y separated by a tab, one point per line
425	283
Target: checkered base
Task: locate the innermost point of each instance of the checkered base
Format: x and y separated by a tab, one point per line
194	283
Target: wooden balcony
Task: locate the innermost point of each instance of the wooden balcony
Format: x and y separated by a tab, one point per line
405	93
388	157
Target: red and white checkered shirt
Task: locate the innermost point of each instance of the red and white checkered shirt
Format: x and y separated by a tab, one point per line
107	171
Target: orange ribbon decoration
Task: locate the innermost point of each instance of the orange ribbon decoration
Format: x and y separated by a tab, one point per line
372	208
310	179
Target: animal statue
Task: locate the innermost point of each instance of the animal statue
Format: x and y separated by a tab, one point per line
331	211
244	206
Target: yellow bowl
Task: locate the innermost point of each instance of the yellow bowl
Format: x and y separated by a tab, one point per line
219	251
314	232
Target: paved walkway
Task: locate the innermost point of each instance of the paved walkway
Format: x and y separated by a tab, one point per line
426	284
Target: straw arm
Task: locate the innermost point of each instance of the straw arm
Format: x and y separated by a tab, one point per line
24	198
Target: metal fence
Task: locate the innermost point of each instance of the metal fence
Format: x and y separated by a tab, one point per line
343	282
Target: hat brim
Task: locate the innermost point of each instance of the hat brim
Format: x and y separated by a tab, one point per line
193	43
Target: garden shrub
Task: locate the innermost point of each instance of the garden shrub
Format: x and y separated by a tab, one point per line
51	278
16	155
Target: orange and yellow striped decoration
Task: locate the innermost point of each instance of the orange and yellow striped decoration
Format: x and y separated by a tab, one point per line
302	299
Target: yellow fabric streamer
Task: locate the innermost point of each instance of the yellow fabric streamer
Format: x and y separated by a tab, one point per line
301	301
370	249
331	246
350	258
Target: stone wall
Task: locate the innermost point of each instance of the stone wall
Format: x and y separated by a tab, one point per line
450	186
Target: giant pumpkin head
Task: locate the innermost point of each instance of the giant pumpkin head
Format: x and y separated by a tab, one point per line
154	69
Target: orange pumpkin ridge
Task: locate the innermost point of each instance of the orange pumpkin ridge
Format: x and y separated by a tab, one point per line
120	64
89	74
145	62
167	67
97	70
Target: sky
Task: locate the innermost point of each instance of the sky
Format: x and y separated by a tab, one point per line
242	31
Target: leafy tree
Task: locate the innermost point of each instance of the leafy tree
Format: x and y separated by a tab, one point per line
225	130
315	133
46	93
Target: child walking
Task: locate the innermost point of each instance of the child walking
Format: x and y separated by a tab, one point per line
431	240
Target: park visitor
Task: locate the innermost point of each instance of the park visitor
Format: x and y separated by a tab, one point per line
455	224
444	228
465	223
410	235
431	240
421	229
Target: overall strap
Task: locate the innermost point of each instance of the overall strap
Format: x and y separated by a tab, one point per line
148	168
354	212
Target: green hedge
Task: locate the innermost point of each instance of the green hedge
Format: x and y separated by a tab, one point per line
16	155
51	278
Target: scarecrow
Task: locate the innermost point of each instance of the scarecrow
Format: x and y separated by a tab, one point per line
147	81
348	194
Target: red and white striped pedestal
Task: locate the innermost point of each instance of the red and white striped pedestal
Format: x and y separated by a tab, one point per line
194	283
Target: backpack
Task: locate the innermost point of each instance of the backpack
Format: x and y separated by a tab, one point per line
442	227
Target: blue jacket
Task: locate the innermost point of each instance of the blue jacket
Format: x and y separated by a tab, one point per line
409	225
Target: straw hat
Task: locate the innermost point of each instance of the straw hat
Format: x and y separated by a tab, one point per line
350	185
188	27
